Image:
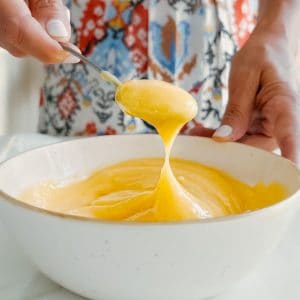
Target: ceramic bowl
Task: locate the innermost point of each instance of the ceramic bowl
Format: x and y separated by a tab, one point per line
133	261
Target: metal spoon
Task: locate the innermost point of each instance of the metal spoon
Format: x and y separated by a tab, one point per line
105	75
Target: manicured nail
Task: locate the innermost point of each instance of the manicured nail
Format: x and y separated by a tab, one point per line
223	132
71	60
56	28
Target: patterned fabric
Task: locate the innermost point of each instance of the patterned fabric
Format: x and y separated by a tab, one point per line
187	42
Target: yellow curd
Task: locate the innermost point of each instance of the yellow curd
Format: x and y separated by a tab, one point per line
153	189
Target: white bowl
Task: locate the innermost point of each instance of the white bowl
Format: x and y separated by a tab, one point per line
156	261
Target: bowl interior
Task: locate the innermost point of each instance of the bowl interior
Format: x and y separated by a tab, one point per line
77	158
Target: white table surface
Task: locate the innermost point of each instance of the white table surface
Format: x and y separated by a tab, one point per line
277	279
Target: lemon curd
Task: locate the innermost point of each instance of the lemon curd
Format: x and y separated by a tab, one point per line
148	190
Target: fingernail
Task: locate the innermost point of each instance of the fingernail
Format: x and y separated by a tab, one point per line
71	60
56	28
68	14
223	132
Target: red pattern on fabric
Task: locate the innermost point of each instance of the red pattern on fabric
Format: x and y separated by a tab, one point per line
197	86
42	98
136	38
66	104
110	131
90	128
93	27
244	21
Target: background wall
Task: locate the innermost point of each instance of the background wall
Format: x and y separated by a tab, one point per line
20	81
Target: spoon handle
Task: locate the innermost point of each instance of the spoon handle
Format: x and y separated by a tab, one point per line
105	75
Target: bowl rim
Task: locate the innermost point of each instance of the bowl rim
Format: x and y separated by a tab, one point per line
15	202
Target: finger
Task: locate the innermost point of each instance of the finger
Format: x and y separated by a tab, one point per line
285	105
20	30
287	134
53	16
72	59
280	95
16	52
289	148
243	86
201	131
259	141
13	51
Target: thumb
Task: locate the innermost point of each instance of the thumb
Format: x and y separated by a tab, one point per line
243	86
53	16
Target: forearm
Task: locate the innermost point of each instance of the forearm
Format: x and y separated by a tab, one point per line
281	17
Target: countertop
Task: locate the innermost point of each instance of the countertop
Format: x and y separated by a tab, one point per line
276	279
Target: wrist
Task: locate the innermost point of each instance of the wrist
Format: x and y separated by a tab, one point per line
280	18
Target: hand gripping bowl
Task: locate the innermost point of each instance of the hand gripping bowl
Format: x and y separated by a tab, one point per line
134	261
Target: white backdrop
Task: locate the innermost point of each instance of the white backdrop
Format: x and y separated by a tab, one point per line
20	81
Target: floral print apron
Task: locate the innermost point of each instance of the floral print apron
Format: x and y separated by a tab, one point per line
187	42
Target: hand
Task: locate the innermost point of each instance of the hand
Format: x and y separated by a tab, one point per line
263	108
35	29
